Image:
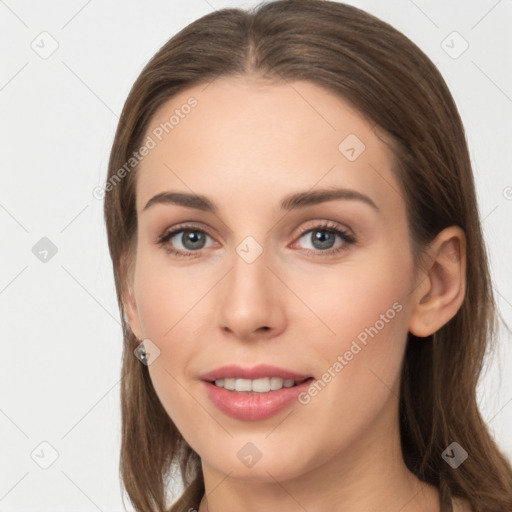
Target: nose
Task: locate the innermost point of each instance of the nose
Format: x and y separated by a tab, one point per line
250	300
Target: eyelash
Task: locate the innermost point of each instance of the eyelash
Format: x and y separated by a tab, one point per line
324	226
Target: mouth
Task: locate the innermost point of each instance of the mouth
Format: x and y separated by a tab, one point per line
259	378
257	386
255	399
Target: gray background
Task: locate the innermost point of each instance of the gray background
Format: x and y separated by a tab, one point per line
61	336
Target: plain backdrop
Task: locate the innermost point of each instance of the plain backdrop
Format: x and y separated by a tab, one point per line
66	69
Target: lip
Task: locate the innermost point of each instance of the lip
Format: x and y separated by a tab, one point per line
256	372
252	406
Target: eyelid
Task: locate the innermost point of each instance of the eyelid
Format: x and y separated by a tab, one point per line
327	225
346	234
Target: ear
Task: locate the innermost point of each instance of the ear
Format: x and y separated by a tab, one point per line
441	288
131	312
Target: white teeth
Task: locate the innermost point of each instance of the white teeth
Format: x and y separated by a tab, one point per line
229	384
263	385
276	383
260	385
243	385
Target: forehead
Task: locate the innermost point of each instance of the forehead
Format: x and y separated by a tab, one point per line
239	134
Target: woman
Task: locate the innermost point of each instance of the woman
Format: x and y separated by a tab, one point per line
336	375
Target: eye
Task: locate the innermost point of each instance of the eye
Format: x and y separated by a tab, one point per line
190	237
323	236
193	240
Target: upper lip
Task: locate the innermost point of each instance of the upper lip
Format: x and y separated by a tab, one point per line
256	372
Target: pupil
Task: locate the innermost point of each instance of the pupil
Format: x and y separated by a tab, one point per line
194	238
321	236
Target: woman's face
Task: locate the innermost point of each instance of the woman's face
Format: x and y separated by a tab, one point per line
262	284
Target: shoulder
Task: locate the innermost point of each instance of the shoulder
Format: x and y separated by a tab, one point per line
461	505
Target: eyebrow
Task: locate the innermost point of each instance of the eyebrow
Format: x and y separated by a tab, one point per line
290	202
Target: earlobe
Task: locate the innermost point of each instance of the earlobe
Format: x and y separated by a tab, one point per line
441	289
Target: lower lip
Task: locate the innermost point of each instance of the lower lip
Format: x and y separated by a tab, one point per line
254	406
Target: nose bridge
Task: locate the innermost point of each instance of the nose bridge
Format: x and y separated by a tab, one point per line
250	277
249	299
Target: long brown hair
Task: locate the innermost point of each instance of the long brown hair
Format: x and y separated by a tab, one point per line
390	81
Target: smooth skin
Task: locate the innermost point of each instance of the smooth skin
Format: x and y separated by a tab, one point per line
246	145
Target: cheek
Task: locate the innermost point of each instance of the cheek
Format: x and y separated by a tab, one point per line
164	295
365	309
358	295
169	302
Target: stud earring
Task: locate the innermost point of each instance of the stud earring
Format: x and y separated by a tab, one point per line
140	352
